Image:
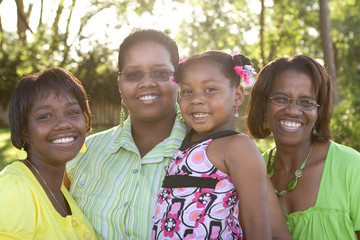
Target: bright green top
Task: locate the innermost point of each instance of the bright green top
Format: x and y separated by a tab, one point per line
115	187
336	214
27	213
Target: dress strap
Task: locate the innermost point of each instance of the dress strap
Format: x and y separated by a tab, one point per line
186	143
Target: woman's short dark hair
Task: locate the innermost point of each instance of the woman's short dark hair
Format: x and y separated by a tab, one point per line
264	81
37	85
225	61
148	35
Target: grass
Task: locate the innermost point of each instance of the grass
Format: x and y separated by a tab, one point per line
7	151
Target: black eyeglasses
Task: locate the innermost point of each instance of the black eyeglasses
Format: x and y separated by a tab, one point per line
307	104
158	75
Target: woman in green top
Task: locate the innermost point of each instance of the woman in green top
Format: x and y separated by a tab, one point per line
317	180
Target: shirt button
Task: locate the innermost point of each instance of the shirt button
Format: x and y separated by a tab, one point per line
135	171
82	183
74	223
126	204
87	236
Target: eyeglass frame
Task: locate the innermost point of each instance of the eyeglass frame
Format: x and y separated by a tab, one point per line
170	73
314	104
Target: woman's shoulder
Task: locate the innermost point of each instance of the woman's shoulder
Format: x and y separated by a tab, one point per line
345	154
105	135
16	196
15	179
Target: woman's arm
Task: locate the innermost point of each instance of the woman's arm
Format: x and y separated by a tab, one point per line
358	234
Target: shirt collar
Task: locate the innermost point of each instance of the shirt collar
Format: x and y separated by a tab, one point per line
166	148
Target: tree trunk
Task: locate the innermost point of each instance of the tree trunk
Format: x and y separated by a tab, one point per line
262	32
327	45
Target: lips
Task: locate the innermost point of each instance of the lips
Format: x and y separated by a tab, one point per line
290	125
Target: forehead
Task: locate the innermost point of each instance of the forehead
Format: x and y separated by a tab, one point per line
203	69
293	83
57	95
145	53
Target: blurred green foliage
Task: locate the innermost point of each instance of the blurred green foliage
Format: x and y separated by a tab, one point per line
290	27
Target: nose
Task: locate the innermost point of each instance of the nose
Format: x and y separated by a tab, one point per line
293	108
63	122
197	98
147	81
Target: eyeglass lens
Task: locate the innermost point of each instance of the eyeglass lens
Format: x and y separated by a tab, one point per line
157	75
304	103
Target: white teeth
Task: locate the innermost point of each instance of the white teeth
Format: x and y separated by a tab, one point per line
63	140
147	97
200	115
290	125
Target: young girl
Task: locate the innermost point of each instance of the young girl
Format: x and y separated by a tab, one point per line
217	175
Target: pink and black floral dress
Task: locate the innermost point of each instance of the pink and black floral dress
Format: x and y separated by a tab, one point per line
196	201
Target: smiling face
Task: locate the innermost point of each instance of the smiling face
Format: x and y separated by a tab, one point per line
56	129
291	125
208	100
148	99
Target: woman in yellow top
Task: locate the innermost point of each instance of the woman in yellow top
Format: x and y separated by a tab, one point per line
49	117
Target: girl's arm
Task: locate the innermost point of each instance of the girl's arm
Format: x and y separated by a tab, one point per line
246	168
277	221
358	234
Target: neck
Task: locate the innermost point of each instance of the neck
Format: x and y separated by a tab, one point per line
147	134
291	157
52	175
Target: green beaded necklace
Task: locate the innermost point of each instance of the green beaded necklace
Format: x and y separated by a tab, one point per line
293	182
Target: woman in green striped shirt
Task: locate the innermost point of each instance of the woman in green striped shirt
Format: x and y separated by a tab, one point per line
116	180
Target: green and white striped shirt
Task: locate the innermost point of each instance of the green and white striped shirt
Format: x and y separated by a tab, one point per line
115	187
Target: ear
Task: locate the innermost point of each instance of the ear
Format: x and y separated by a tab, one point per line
239	96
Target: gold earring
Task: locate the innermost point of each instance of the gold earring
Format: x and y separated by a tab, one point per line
21	154
83	148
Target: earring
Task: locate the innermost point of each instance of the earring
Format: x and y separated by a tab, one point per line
122	116
236	114
264	125
83	148
314	131
21	154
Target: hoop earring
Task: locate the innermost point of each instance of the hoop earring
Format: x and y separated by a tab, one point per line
236	114
21	154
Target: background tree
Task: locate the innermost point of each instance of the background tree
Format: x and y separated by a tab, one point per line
283	28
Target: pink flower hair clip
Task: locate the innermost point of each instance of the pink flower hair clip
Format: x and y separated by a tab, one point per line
235	53
184	59
172	79
245	72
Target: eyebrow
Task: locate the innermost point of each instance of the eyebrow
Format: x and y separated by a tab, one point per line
156	66
284	94
49	106
205	81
